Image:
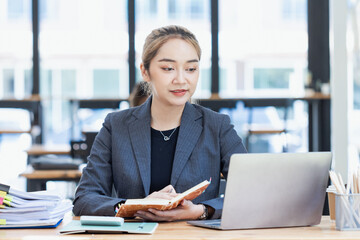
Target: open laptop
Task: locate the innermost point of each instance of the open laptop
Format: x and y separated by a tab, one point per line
273	190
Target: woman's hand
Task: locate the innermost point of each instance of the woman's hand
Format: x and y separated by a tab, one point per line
185	211
167	192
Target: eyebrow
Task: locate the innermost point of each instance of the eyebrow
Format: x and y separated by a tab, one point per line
172	60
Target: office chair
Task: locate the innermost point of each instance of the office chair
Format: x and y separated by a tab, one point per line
81	148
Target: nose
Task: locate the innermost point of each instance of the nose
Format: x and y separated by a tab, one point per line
180	77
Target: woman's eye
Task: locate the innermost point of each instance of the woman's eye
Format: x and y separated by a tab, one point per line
191	69
168	69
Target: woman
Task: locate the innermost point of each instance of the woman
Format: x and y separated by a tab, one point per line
164	146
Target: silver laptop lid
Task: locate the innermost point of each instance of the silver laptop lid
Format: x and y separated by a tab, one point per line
275	190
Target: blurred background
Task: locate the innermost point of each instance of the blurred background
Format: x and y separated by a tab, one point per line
65	64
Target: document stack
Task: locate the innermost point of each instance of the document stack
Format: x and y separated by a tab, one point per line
39	209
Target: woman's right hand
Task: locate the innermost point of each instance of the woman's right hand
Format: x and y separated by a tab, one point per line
167	192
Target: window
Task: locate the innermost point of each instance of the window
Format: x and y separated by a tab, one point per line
19	9
272	78
262	45
106	83
68	82
28	81
197	9
48	9
149	8
294	10
263	52
15	48
15	82
172	9
83	50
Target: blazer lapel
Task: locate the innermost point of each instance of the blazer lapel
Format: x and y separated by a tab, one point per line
140	135
189	133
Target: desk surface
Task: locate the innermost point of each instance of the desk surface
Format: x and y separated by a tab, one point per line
39	149
307	95
30	173
14	131
181	230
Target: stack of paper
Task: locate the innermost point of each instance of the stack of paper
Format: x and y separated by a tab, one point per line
30	209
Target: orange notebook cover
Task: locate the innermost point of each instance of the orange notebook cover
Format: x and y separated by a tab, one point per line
131	206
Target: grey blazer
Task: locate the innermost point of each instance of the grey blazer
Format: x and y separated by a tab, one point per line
120	157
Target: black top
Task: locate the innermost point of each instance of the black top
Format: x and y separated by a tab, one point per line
162	158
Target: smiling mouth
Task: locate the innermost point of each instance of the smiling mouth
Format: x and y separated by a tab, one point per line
178	91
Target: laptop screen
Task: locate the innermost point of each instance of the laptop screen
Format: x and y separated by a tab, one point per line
275	190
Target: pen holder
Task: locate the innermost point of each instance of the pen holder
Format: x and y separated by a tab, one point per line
347	210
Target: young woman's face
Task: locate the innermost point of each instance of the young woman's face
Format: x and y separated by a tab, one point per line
173	72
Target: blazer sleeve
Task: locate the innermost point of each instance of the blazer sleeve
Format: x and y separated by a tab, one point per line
93	195
230	143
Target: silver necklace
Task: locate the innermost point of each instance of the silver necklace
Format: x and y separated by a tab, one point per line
167	138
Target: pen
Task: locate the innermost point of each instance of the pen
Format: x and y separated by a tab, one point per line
117	209
140	227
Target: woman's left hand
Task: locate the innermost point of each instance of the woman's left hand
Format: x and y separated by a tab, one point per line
185	211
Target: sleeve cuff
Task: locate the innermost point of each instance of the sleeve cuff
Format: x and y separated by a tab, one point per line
217	205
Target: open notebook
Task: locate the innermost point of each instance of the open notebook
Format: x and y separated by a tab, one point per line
131	206
75	226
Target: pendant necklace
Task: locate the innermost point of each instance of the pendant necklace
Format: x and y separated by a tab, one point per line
167	138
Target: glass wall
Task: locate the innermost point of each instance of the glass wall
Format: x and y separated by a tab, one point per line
15	82
263	53
15	48
83	50
192	14
262	47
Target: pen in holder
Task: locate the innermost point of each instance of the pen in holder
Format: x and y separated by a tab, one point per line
347	210
347	201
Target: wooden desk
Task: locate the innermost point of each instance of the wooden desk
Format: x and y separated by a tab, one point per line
181	230
14	131
36	179
39	149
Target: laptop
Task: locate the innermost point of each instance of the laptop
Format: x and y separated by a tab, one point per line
273	190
